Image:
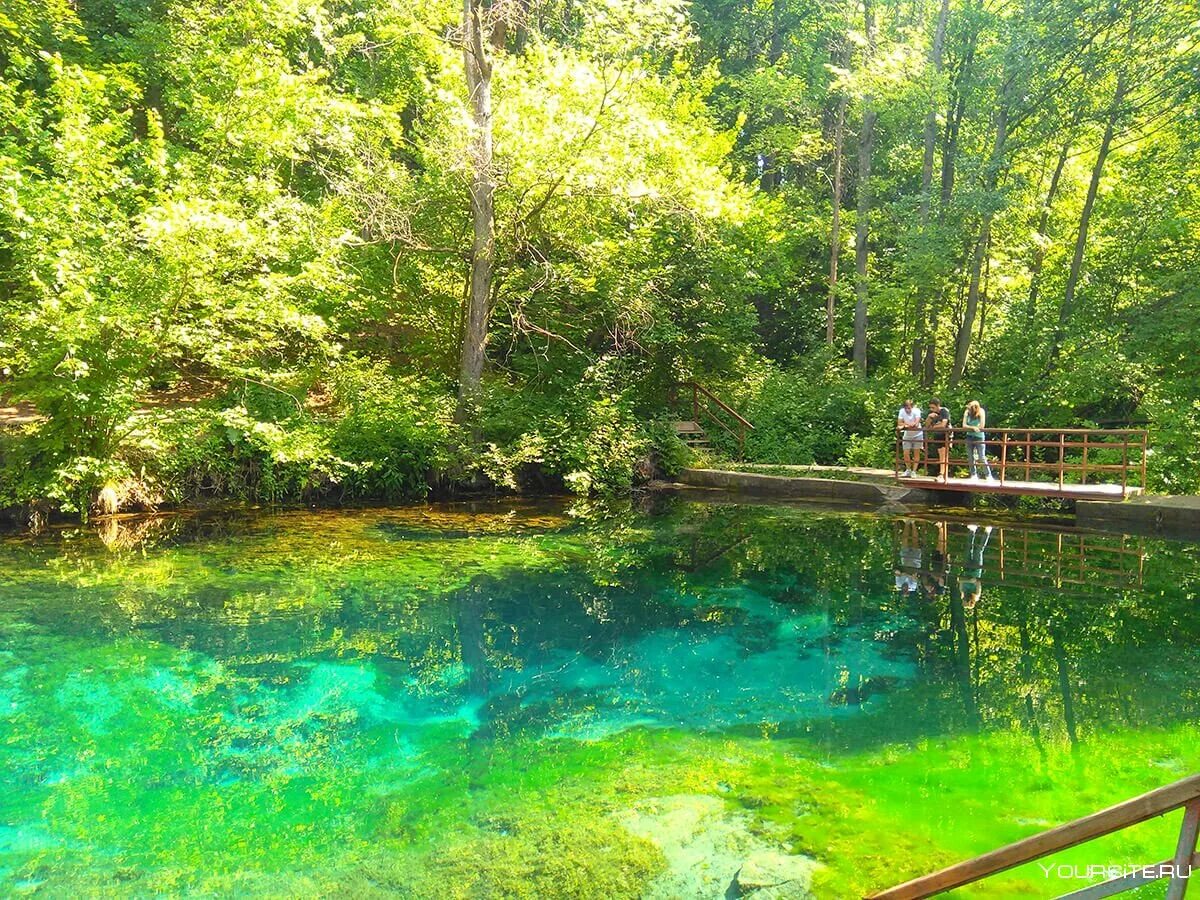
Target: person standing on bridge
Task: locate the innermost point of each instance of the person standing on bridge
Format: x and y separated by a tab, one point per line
912	439
937	433
974	423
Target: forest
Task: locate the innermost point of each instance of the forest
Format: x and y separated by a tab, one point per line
276	250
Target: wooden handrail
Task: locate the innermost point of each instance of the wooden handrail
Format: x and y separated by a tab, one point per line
1150	805
1083	453
698	390
696	386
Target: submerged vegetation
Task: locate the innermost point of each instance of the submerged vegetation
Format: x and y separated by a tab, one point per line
370	248
585	701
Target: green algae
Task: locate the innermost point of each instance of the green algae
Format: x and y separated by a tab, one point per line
384	702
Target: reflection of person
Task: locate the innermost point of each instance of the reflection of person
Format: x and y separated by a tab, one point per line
933	582
937	436
910	558
974	423
970	583
912	440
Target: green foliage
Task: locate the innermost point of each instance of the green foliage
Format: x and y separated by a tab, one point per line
808	417
267	204
396	432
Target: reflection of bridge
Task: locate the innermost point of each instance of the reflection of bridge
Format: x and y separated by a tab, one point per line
1068	463
1068	562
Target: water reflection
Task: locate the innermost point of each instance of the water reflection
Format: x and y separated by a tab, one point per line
369	673
1041	579
1022	555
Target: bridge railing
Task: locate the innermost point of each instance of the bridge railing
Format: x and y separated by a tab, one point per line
1064	560
1066	456
1184	794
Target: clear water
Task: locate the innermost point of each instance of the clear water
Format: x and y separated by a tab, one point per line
577	700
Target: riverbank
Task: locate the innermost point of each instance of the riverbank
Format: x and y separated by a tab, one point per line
1152	515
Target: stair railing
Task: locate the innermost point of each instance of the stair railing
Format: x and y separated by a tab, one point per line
1184	794
706	402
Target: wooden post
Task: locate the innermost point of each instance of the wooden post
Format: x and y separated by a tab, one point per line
1145	441
1028	448
1083	477
1124	464
1184	850
1003	454
1062	454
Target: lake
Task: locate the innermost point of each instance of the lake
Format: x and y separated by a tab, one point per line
579	699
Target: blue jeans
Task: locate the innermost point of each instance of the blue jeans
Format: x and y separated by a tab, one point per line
977	456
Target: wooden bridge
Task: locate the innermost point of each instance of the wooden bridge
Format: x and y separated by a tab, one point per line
1064	463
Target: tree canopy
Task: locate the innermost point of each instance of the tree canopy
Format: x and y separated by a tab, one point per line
273	249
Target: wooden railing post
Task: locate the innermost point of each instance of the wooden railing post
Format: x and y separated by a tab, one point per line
1181	864
1028	448
1145	441
1062	457
1003	454
1124	464
1083	474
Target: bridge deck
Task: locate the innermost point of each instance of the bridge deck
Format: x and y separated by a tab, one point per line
1049	489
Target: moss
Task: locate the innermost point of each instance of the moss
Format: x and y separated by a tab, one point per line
564	854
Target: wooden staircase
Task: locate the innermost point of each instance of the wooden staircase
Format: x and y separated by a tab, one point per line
707	406
693	434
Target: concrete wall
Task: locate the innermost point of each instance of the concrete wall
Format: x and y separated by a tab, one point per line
825	489
1177	517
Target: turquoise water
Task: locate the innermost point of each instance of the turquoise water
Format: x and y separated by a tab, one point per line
577	700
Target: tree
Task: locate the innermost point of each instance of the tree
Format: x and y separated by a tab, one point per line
866	147
478	63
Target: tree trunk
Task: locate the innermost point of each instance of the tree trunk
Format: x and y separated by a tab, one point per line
866	144
962	346
1043	228
935	59
1067	309
483	210
954	116
835	234
958	108
771	178
923	329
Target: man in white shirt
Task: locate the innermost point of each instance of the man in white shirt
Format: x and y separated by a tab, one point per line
912	438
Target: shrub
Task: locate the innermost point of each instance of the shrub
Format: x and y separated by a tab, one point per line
802	418
396	432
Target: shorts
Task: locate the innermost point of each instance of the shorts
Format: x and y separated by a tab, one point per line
912	443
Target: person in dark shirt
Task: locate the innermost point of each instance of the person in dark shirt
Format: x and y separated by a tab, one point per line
937	438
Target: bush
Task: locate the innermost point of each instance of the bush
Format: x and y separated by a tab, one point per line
804	417
396	432
591	436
